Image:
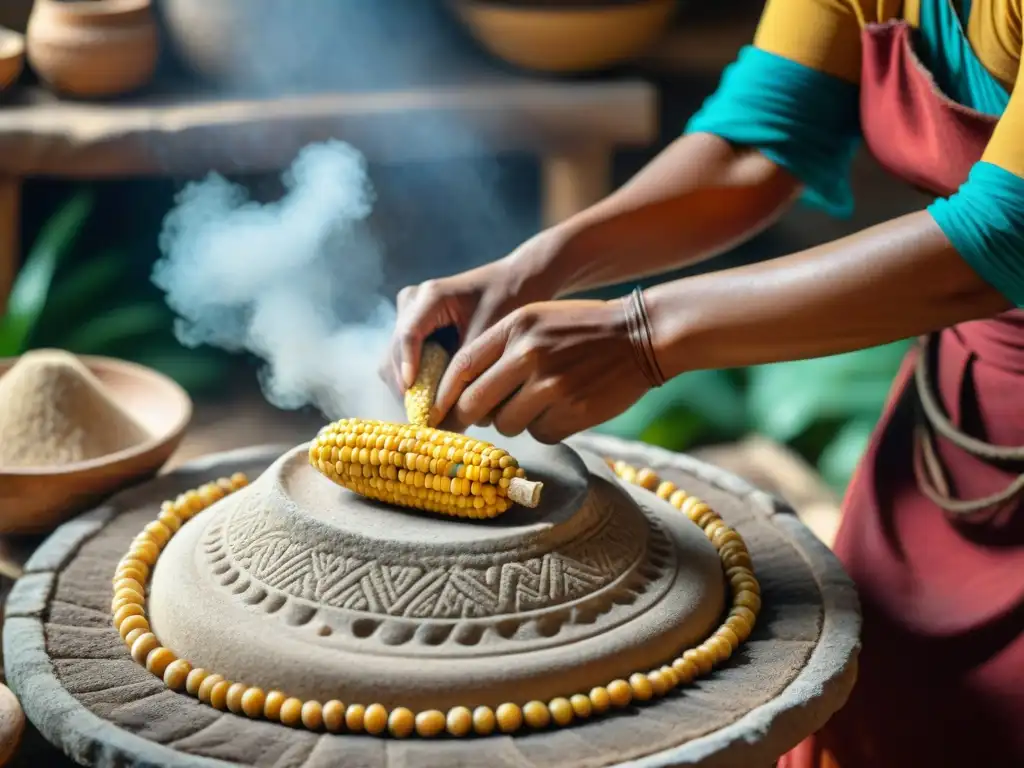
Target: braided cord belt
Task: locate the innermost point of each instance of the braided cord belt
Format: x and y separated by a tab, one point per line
930	474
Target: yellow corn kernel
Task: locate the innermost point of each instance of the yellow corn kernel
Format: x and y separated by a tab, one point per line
422	468
419	398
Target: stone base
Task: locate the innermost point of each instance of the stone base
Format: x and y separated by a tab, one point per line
80	688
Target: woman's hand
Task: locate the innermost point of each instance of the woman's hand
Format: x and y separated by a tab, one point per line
553	369
471	302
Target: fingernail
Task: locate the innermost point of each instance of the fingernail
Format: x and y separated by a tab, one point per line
407	374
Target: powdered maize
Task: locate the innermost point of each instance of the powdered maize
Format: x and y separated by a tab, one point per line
421	467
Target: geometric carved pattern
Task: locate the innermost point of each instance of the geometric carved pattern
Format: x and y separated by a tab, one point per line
436	587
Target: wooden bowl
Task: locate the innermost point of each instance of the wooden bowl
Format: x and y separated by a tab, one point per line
12	57
38	499
566	38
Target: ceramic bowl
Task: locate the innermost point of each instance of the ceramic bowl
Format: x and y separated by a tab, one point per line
38	499
12	57
570	38
95	49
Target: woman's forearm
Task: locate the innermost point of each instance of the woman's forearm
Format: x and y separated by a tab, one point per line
695	200
892	281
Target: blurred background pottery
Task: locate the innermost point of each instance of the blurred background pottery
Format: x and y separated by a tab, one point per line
12	57
283	46
565	36
93	48
39	499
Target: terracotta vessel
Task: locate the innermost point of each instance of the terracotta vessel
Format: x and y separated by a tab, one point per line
565	38
93	48
12	57
33	500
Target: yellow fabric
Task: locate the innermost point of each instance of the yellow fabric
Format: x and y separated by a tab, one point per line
1005	148
821	34
825	35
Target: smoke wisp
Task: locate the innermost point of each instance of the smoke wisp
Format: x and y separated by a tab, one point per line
301	282
297	282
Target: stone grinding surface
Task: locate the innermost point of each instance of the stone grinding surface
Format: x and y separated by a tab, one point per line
416	610
91	664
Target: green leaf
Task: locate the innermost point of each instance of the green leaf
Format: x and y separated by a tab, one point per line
840	458
105	332
786	399
31	289
676	430
89	284
79	294
713	395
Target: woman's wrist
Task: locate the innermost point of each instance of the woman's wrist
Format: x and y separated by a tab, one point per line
674	323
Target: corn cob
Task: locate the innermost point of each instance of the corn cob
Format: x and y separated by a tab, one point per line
419	398
422	468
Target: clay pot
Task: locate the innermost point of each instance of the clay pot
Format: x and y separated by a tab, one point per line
565	37
12	57
93	48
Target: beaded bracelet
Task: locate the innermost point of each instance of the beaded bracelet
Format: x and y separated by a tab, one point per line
130	620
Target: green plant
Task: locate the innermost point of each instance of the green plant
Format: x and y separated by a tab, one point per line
28	297
96	304
825	408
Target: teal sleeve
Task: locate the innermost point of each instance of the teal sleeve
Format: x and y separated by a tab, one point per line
984	221
803	120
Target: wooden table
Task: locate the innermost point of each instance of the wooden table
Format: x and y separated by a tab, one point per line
573	127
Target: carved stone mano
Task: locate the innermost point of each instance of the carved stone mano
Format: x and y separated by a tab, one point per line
297	584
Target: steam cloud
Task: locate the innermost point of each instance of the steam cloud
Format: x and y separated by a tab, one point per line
297	282
300	282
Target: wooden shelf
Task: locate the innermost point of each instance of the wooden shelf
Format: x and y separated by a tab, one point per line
177	132
573	126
